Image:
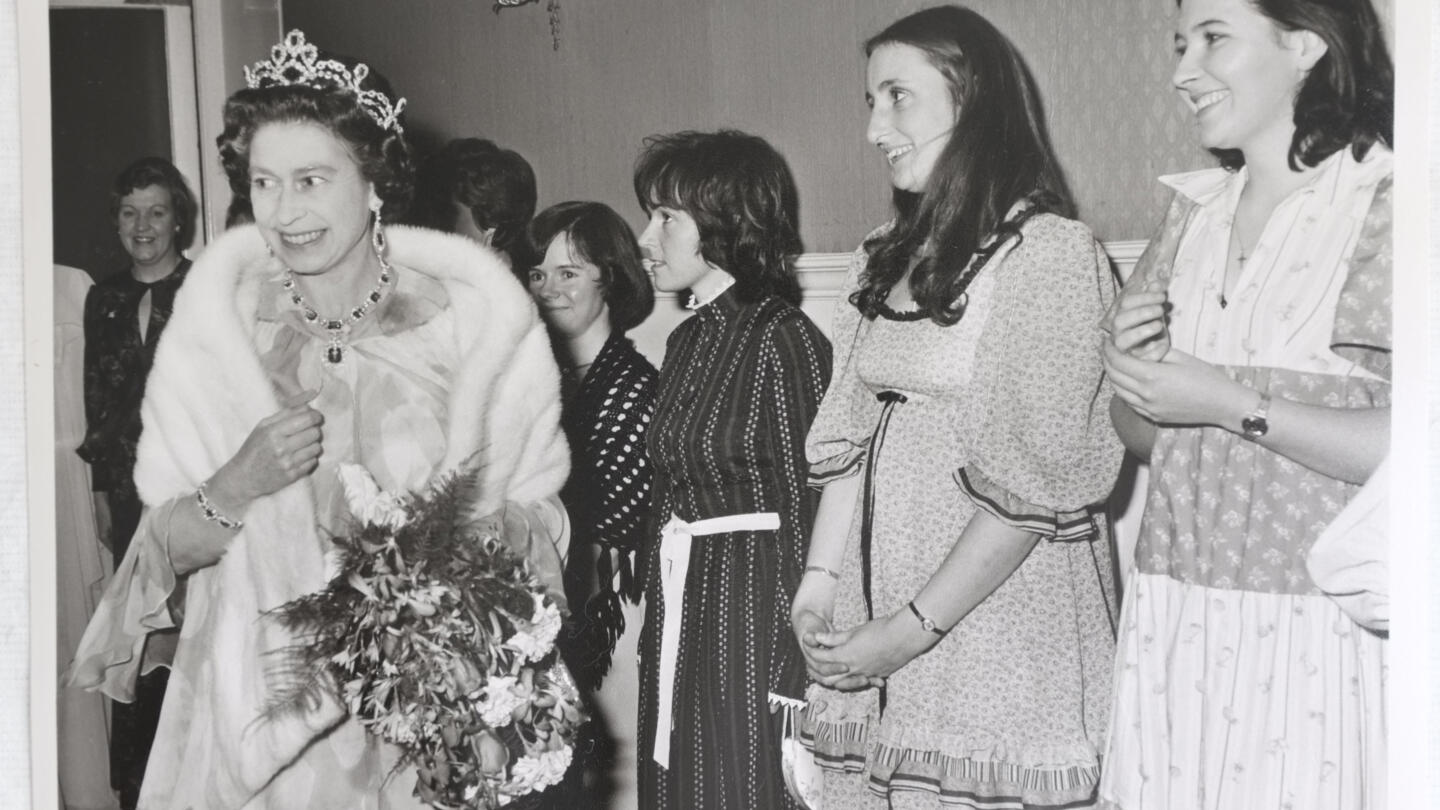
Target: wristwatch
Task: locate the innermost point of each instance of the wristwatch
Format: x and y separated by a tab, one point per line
925	622
1255	424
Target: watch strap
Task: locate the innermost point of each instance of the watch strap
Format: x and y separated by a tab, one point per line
1257	423
925	622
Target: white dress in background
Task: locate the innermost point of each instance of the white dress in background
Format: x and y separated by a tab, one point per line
81	563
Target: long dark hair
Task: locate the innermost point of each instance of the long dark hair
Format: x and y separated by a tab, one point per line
998	154
601	237
743	199
1348	97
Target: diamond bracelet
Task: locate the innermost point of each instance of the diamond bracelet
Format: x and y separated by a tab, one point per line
214	515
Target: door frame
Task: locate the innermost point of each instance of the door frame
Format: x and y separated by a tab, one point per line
183	96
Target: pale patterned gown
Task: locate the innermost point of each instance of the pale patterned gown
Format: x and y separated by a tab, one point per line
386	407
1238	683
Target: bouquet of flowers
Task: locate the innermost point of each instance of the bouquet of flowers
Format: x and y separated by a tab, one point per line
438	639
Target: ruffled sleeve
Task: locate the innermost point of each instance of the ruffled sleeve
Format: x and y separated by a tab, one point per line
113	649
835	445
1046	456
1363	325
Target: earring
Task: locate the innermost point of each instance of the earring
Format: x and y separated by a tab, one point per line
377	234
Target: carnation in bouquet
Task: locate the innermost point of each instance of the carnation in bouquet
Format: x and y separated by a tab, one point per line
439	639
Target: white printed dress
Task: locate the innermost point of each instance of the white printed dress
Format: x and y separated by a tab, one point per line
1238	684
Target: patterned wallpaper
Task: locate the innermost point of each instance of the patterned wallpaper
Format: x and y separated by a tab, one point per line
790	71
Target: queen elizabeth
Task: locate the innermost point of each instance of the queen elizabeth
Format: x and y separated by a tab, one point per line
317	337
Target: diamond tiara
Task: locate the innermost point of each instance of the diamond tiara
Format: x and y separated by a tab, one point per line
295	61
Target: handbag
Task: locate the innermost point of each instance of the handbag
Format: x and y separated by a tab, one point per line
803	775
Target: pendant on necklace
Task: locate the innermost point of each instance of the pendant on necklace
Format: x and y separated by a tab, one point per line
335	351
337	329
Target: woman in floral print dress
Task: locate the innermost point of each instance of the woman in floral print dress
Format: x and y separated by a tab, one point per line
1251	359
957	606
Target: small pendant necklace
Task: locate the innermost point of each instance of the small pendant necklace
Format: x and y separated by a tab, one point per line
1238	252
337	329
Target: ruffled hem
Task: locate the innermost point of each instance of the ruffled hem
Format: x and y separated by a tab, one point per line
990	775
837	746
1063	526
984	782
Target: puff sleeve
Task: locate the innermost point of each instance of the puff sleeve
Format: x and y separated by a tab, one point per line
1046	456
836	444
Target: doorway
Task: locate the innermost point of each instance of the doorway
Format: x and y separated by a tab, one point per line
122	86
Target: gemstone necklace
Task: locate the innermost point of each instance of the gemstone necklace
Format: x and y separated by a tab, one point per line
337	329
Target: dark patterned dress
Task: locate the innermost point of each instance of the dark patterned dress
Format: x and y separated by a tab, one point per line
740	385
117	361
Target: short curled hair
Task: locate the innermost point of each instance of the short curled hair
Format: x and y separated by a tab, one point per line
382	154
601	237
157	171
1348	97
742	196
496	185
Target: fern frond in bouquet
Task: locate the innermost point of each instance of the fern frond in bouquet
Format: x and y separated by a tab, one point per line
438	639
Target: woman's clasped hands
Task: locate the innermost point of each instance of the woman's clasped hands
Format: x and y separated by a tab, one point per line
862	656
1158	381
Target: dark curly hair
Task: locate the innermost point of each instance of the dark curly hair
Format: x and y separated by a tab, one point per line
998	154
496	185
157	171
601	237
383	154
1348	97
742	196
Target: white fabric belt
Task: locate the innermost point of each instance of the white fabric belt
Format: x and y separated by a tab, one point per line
674	565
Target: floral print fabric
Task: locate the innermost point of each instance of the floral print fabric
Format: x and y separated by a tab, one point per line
1004	411
1238	683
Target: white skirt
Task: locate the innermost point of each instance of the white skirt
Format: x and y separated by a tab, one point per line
1231	700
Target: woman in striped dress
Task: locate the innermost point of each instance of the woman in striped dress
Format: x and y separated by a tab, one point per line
741	381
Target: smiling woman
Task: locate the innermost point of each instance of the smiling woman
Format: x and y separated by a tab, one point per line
957	603
154	212
590	289
1250	352
316	338
312	204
